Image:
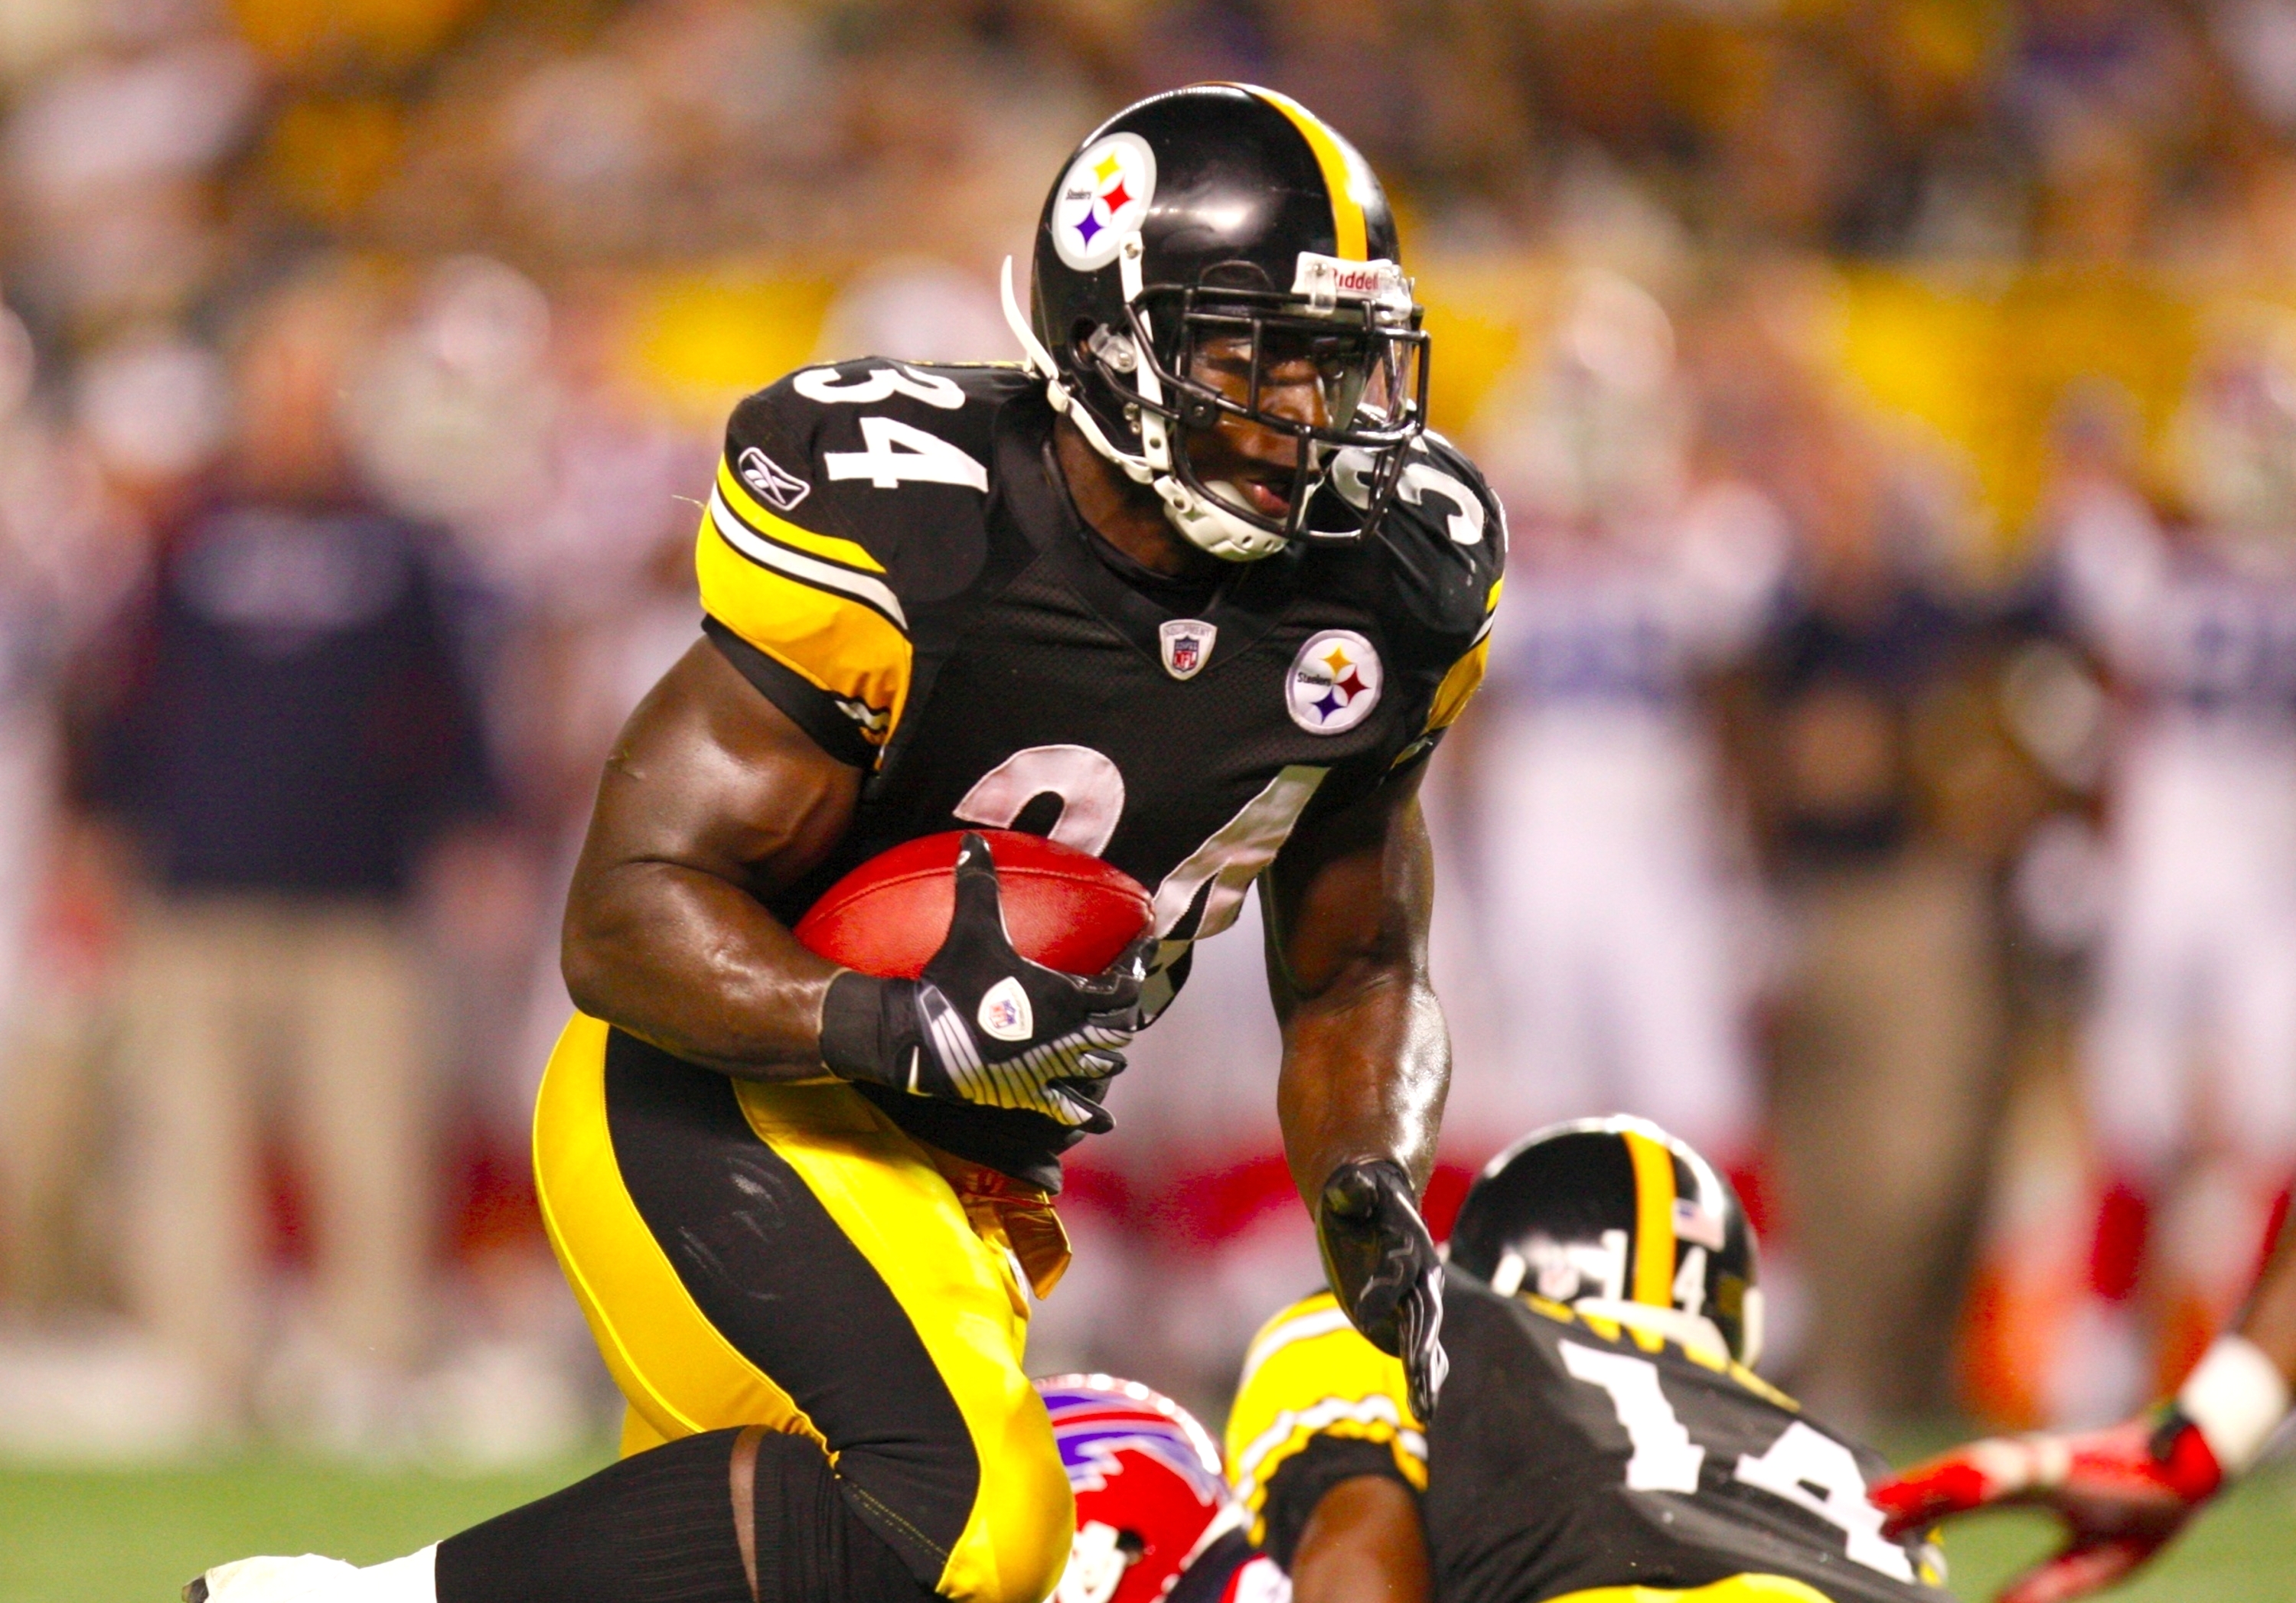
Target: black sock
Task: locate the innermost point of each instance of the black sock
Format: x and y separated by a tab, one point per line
659	1527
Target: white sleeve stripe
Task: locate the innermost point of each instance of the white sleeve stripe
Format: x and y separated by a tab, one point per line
1305	1327
1376	1409
872	593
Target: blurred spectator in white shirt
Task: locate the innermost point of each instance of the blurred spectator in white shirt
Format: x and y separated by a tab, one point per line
1602	891
2191	1050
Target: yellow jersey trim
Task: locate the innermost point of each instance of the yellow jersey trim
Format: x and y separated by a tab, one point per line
753	513
1310	1374
833	638
1737	1589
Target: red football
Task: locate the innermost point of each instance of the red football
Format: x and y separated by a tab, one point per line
1062	908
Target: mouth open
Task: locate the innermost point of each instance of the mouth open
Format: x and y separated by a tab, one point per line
1262	497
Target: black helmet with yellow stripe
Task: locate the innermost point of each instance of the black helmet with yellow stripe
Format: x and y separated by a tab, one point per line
1225	214
1614	1216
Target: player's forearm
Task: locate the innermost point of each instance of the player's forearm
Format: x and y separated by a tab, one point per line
1366	1059
2270	1320
697	967
1363	1545
711	799
1365	1072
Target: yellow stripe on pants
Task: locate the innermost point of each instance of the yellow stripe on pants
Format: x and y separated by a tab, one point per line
882	1191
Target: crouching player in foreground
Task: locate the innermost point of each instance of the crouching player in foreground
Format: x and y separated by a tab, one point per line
2124	1493
1155	1522
1601	1438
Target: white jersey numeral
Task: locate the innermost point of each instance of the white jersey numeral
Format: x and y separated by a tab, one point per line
1236	853
1665	1459
899	453
1089	784
1808	1469
878	384
1818	1472
1091	792
1419	476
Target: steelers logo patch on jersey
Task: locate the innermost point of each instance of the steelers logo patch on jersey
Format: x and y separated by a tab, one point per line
1334	682
1102	199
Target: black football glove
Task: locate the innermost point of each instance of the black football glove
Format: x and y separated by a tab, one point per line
1383	1267
985	1024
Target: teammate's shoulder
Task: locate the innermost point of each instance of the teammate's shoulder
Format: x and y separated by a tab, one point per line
1308	1353
1311	1319
1555	1319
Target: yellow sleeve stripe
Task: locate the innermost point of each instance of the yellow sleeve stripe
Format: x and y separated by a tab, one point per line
1310	1374
1459	685
1338	164
1466	675
751	512
1377	1418
1653	1220
831	639
1737	1589
771	548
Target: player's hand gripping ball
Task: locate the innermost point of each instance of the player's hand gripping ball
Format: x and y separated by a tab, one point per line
957	991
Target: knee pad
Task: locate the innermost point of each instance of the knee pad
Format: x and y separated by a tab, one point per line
808	1544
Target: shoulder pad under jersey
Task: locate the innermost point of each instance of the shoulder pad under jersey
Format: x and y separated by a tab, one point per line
849	496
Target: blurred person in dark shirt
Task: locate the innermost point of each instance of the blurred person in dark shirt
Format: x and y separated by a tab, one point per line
293	732
1604	855
1853	747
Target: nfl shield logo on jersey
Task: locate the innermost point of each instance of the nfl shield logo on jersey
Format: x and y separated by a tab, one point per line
1187	644
775	486
1334	682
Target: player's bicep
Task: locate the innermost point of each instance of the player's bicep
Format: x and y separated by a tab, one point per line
710	776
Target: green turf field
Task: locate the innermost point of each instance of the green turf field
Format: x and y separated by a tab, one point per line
96	1537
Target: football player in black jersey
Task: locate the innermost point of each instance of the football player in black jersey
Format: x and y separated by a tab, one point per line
1193	590
1602	1438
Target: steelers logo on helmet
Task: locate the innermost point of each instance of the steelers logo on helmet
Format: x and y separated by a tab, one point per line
1334	682
1103	197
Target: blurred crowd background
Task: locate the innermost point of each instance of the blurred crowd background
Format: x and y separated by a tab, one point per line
1887	776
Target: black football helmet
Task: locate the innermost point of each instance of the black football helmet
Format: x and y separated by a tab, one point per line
1225	215
1616	1217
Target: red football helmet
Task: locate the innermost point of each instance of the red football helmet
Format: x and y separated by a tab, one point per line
1150	1495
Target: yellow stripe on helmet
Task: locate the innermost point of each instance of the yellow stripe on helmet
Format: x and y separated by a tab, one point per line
1338	164
1654	1219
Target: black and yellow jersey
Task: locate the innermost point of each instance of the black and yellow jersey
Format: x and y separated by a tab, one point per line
1570	1457
890	555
